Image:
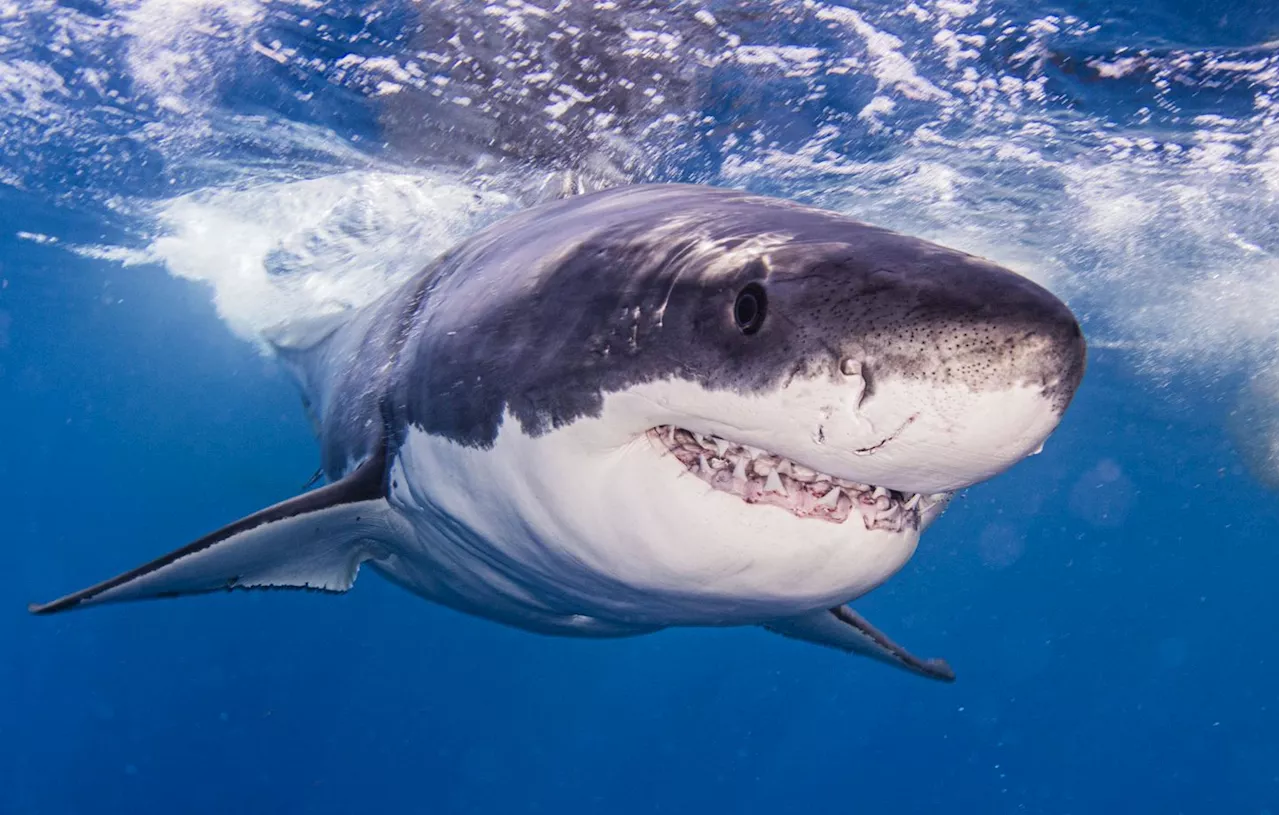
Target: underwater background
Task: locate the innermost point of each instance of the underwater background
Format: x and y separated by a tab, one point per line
178	177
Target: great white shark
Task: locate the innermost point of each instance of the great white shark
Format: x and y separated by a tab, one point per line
652	406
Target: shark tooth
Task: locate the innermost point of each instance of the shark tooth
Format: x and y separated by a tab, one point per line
722	446
802	473
773	483
703	466
887	510
831	500
740	469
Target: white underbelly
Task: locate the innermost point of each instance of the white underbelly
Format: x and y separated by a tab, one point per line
444	561
561	526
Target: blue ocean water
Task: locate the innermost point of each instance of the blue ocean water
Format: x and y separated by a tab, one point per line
176	177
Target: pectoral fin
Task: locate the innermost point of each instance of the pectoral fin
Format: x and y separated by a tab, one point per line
843	628
314	541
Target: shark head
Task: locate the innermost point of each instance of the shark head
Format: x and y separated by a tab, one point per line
685	405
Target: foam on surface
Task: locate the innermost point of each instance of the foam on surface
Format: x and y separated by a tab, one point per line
294	250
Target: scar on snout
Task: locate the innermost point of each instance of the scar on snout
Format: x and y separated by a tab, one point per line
862	451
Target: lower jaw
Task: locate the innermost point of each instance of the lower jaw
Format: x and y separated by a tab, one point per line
759	477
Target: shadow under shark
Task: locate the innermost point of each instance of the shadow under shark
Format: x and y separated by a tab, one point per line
658	405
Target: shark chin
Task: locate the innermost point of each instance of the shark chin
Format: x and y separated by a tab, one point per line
653	406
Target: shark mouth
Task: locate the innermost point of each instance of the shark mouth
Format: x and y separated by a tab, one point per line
760	477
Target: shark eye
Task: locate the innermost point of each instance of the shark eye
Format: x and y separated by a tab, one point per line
749	308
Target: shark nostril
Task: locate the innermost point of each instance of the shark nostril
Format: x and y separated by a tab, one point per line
855	373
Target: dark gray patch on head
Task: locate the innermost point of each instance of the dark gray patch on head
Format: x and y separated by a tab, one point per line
909	309
545	313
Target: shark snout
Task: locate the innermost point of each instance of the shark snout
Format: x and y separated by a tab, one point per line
1029	338
1064	357
946	374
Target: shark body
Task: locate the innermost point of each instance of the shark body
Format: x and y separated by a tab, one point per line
653	406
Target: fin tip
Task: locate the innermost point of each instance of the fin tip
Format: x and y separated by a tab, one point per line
66	603
941	670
